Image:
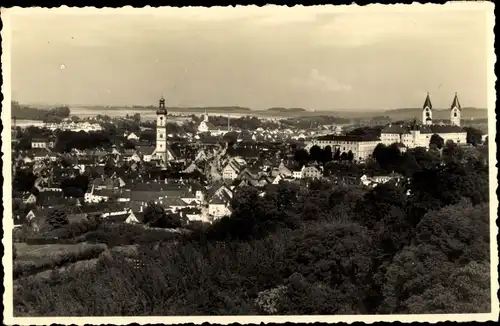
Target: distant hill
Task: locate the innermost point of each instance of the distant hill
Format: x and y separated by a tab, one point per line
180	109
438	114
23	112
285	110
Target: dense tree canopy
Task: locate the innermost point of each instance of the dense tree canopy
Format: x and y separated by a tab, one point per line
437	140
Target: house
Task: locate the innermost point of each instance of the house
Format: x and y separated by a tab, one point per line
206	126
39	154
222	192
192	168
146	152
115	151
110	210
43	142
379	179
311	172
152	191
132	136
230	171
104	194
262	181
172	204
201	155
218	207
233	168
29	198
108	183
284	170
28	159
131	156
297	174
126	215
132	218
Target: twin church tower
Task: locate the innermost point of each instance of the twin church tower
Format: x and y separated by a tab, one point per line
455	111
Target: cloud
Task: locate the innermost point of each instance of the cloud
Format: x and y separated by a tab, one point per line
317	81
362	28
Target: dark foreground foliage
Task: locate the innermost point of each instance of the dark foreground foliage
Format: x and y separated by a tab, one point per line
418	247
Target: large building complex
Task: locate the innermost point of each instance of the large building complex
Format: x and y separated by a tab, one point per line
418	135
410	135
361	146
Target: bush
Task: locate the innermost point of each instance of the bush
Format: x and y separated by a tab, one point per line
127	234
43	240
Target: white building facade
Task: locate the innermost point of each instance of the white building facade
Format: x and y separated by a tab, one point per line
419	135
361	146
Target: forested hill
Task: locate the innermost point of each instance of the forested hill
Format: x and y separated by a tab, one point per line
408	113
29	113
277	109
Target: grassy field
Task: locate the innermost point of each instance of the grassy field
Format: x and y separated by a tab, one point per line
32	259
33	252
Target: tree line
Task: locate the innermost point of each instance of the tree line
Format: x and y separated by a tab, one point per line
29	113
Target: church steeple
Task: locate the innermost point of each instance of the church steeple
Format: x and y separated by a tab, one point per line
162	110
455	111
456	103
427	111
161	132
428	103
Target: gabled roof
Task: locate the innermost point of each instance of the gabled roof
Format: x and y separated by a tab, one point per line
145	150
396	129
40	212
106	192
38	152
118	218
40	140
439	129
353	138
169	202
217	201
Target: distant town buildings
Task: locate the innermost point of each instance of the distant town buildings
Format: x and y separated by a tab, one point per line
73	126
197	175
206	126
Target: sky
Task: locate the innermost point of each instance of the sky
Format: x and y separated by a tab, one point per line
318	58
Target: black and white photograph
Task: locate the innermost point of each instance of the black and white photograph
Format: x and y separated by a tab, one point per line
249	164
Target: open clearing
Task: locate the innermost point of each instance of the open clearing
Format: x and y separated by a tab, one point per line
30	252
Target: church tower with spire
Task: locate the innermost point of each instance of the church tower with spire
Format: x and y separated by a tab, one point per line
455	111
161	132
427	111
